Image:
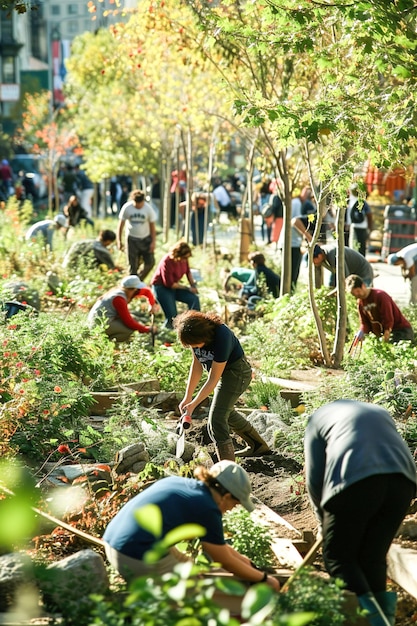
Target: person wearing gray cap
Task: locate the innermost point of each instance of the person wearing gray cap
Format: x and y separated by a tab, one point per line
112	309
406	258
201	500
46	229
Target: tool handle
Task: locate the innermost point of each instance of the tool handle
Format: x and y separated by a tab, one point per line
186	421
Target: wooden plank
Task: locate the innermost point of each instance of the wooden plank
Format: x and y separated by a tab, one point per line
402	568
286	553
289	384
266	515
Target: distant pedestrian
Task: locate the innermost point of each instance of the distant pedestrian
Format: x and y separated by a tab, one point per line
378	313
358	223
75	212
166	282
296	241
46	229
361	478
406	258
85	189
6	178
140	219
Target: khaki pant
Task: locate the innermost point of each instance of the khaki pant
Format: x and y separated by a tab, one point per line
131	568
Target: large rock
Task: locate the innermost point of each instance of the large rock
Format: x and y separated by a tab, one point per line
67	584
15	572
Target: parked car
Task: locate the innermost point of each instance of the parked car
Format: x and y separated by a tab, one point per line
31	167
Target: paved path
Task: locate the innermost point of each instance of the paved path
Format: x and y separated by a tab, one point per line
387	277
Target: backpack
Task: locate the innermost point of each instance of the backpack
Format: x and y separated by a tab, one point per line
357	215
268	210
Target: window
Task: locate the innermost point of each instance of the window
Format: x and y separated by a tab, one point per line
6	27
73	27
55	9
72	9
8	74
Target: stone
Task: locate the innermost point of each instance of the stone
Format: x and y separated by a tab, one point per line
67	584
15	572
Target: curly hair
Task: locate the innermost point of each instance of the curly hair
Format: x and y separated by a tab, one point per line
195	327
180	250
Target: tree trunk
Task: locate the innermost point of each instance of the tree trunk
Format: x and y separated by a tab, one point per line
340	337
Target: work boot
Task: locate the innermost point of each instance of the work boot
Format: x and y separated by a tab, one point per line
387	600
375	615
225	450
256	445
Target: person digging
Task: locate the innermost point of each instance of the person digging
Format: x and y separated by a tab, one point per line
217	350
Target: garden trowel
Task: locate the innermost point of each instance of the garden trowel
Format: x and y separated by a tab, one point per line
183	425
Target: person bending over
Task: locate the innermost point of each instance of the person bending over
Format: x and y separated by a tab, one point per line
217	350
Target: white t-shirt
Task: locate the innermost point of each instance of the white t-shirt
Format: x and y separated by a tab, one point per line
409	254
137	220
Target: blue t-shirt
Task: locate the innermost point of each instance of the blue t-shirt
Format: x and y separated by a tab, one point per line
181	501
225	347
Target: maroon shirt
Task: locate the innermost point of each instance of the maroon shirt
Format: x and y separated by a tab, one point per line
169	272
378	313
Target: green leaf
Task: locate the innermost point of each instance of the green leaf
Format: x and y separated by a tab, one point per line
230	586
299	619
389	375
183	533
257	603
401	71
149	517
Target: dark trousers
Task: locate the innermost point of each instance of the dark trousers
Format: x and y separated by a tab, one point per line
359	525
295	266
223	416
168	299
360	237
138	252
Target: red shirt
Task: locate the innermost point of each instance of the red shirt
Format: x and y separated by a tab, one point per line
120	304
378	313
170	271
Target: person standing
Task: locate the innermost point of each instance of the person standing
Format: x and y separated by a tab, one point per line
406	258
201	500
378	313
75	212
296	241
140	233
167	288
112	309
358	221
6	178
361	478
217	350
86	191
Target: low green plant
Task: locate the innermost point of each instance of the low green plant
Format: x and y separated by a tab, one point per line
285	338
130	421
309	592
249	538
261	394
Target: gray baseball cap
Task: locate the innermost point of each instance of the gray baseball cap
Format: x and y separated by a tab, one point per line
235	479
